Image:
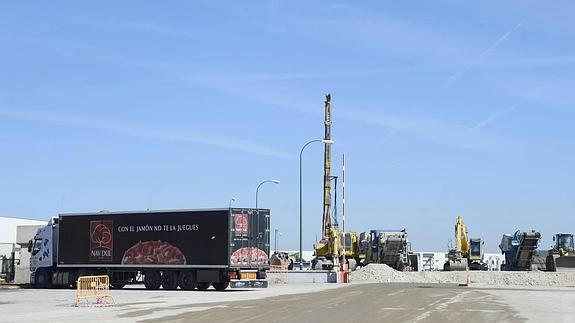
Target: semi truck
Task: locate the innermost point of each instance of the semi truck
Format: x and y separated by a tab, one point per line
189	249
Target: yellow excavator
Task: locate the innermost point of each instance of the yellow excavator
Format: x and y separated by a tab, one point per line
468	253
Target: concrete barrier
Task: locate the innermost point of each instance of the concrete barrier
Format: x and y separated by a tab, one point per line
302	276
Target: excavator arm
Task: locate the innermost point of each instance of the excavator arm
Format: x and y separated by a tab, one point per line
461	237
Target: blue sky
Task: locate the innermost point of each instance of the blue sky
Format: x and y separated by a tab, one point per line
442	108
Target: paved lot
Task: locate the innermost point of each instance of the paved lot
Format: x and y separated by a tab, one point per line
304	302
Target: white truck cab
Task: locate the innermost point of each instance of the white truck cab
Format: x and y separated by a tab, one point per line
42	250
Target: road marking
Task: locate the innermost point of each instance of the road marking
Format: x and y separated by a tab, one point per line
396	293
455	299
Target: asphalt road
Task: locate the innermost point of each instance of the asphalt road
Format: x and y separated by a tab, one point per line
366	303
404	302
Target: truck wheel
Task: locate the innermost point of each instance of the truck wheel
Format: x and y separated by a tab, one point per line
188	280
152	280
43	278
202	286
73	279
117	285
550	263
221	286
169	280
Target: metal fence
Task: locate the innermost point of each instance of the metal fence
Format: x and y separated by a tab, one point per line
93	290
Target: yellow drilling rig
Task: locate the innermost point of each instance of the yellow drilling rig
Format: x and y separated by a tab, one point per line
328	251
335	246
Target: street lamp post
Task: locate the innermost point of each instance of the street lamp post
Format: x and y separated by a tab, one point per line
276	240
233	199
325	141
274	181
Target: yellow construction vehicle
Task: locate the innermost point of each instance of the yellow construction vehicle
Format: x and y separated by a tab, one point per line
329	250
561	256
335	246
468	253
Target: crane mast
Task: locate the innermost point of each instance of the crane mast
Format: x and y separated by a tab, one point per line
327	171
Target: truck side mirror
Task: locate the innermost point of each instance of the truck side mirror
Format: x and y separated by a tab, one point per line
29	245
553	238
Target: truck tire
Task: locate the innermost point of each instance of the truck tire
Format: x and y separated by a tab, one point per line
188	280
202	286
170	280
550	263
221	286
152	279
43	278
117	285
73	279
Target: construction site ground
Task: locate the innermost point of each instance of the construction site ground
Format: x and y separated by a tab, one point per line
356	302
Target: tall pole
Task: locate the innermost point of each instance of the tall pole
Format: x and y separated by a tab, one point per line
276	240
300	202
343	206
275	181
343	195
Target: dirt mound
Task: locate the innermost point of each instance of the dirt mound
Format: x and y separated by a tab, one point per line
385	274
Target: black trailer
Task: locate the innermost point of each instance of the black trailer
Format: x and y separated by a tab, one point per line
185	248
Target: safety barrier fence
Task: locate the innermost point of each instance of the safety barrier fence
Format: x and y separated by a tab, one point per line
280	274
93	290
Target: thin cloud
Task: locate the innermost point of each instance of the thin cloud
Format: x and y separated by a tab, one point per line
430	129
145	131
456	76
493	117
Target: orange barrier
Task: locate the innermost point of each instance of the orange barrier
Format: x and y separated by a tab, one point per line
344	274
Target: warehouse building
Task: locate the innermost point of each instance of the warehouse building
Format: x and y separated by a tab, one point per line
14	256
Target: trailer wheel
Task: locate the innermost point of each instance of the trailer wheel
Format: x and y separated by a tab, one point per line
43	278
73	279
221	286
202	286
169	280
188	280
117	285
152	280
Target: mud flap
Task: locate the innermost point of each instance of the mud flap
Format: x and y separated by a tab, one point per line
249	284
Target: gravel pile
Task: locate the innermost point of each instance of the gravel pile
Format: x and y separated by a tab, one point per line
385	274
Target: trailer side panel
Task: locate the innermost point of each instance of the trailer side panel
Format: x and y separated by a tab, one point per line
145	239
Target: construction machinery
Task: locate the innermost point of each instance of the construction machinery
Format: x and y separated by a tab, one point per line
351	249
282	260
329	250
519	250
390	247
467	254
561	256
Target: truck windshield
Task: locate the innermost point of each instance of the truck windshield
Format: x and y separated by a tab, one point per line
565	241
37	246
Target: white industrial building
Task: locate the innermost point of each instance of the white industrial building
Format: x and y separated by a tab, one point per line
433	261
14	236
